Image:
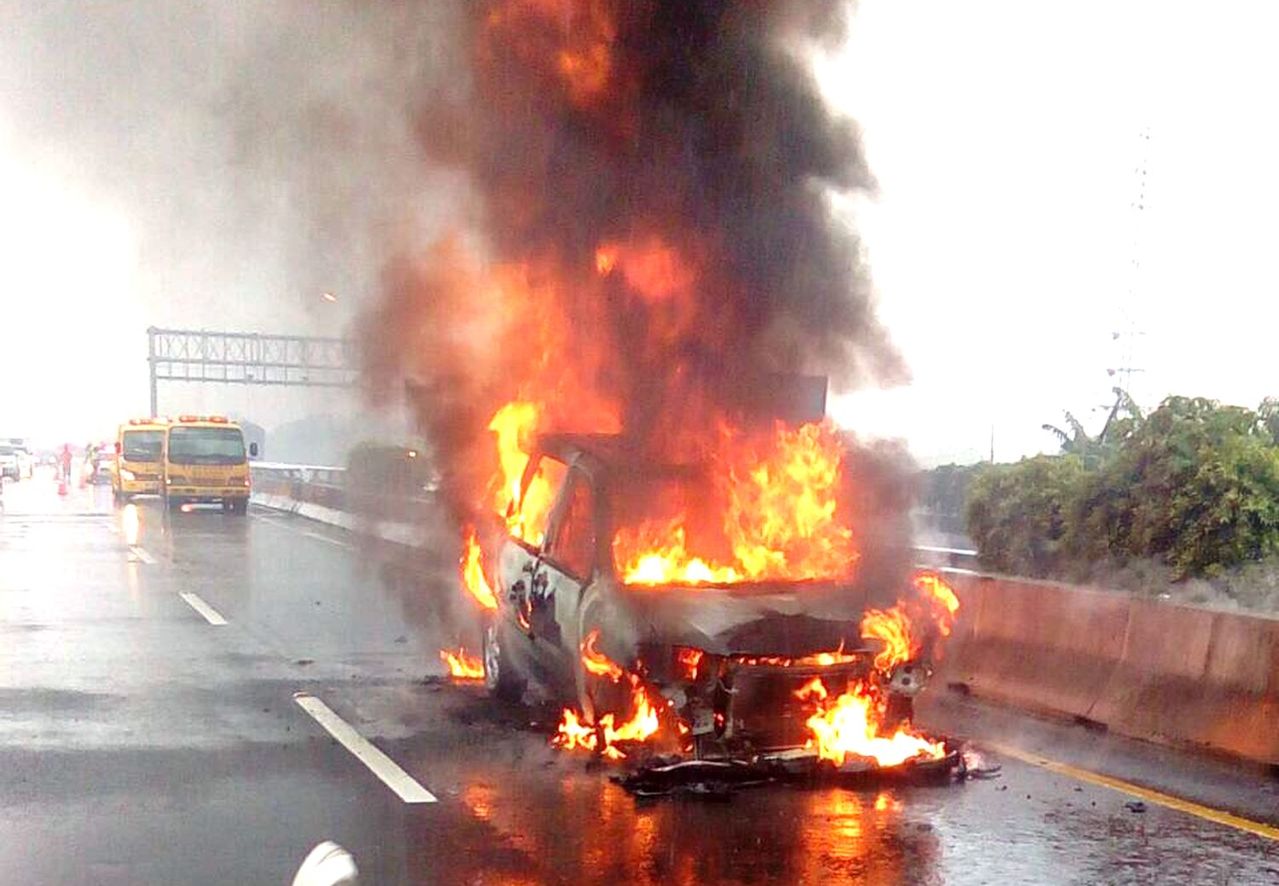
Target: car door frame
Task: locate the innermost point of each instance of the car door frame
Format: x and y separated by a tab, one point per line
564	587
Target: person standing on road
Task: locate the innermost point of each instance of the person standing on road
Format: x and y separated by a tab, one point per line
65	459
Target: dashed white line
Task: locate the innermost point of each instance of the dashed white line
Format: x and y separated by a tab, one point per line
141	555
387	770
211	615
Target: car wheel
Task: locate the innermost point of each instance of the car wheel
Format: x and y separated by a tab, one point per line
500	677
596	695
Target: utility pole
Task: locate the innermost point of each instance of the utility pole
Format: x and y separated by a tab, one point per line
155	393
1129	332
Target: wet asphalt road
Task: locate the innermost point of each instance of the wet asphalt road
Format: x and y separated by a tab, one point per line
141	744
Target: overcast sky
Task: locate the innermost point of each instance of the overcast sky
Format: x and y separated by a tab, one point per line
1011	141
1008	143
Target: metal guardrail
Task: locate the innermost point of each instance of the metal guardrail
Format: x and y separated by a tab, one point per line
326	485
318	484
958	560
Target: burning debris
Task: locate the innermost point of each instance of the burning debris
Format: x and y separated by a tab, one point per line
718	779
856	719
461	665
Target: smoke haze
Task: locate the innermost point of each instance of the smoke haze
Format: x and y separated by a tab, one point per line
647	236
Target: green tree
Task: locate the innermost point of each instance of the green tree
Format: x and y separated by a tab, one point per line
1017	513
1196	483
1268	416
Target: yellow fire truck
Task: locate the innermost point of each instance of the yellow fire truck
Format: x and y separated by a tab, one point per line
205	461
137	467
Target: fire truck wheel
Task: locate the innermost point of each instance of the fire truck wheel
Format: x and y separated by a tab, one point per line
500	677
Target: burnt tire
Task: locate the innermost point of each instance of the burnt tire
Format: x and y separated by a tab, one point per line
596	695
501	678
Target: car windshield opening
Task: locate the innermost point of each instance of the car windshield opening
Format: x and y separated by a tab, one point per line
142	445
206	446
663	517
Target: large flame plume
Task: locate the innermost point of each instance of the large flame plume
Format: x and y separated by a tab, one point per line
777	497
649	243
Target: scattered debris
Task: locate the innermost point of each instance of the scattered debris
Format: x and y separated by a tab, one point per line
717	779
303	662
707	778
976	765
1135	806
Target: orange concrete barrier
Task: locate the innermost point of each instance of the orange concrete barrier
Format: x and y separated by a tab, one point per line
1175	674
1036	646
1197	677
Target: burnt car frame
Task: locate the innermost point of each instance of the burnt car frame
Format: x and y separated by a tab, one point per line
727	658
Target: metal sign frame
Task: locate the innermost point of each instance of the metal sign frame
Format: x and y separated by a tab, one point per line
247	358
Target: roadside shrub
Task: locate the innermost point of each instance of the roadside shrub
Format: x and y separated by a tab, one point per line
1017	513
1194	485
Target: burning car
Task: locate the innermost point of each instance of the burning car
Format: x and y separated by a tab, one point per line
645	638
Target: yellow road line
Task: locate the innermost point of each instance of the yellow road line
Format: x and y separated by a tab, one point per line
1115	784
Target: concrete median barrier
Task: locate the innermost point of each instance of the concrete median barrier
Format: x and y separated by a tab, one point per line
1034	646
1143	668
1193	676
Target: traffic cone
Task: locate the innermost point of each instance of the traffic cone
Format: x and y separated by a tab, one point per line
62	486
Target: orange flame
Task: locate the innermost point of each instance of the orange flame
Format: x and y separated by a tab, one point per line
893	629
512	427
778	500
941	598
848	725
597	662
461	665
473	571
817	659
689	661
643	724
935	603
573	733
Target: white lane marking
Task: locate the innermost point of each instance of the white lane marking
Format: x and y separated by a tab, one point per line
332	541
142	555
386	769
211	615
